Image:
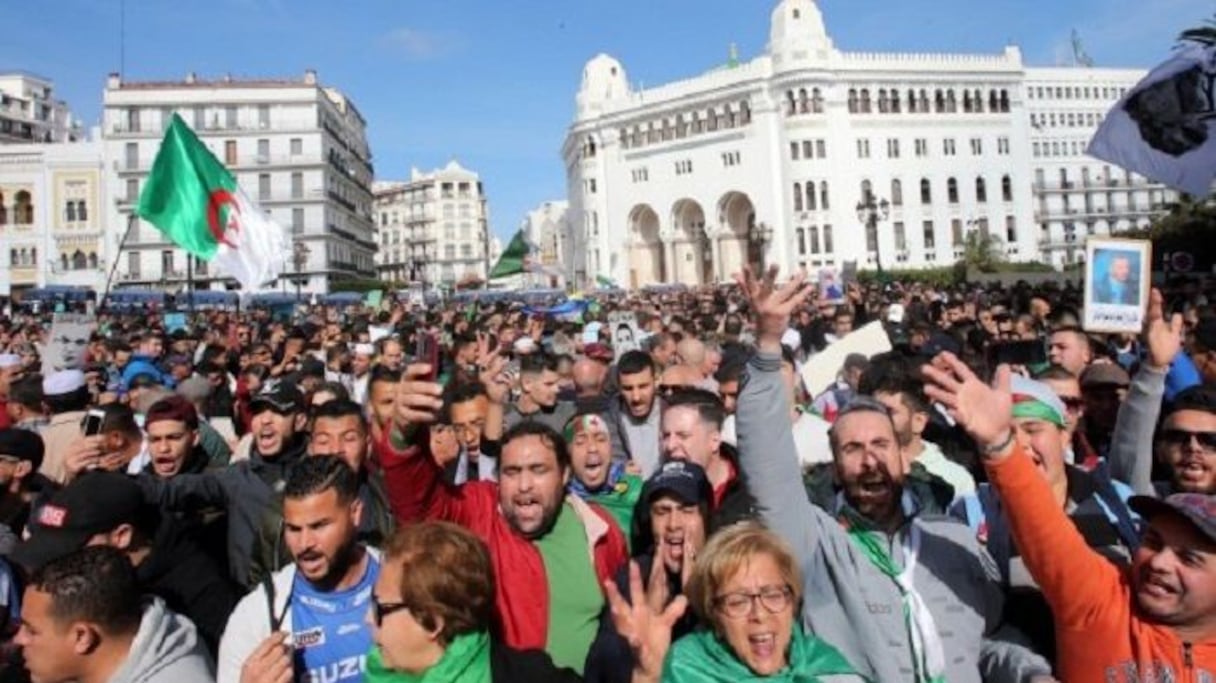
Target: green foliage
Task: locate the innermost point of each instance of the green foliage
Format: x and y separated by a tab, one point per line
983	251
361	285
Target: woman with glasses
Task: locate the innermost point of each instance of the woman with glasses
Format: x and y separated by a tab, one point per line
746	589
431	614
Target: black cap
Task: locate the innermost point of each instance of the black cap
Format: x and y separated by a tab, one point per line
284	399
23	445
686	480
94	503
1197	508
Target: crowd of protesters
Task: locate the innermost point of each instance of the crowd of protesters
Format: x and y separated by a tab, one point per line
478	492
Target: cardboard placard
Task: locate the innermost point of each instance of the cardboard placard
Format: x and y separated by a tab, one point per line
68	343
1117	278
626	335
821	370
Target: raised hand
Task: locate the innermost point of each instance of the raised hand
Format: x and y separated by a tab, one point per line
418	400
985	412
772	306
1162	336
647	632
491	368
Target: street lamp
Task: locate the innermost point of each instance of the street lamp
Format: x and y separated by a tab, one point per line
870	211
761	234
299	257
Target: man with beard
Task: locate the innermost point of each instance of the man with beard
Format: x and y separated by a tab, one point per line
108	508
320	601
639	411
1104	388
894	591
538	396
248	490
340	429
672	523
360	368
468	408
596	477
1096	506
692	431
382	393
552	550
1154	620
21	453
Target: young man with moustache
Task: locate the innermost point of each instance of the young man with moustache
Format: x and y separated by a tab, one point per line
904	597
309	620
596	478
639	411
340	429
1154	620
551	549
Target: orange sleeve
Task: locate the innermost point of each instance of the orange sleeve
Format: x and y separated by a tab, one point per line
1078	583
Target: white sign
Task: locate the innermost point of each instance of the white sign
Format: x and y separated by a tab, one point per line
69	340
626	336
1116	284
821	370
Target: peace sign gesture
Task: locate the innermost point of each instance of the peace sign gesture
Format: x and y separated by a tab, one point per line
771	305
647	631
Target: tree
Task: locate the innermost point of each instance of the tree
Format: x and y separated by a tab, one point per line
983	251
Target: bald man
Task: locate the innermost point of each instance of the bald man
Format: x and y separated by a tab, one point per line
588	376
694	361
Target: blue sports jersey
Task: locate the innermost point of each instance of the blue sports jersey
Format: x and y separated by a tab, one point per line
330	630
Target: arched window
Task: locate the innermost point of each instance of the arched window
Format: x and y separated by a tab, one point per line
814	239
667	131
993	102
951	103
791	107
33	256
801	241
911	101
978	102
865	101
69	212
811	199
926	192
711	119
952	190
883	104
652	133
816	101
590	147
894	102
803	102
981	191
745	113
1006	189
797	196
63	261
867	191
82	211
23	209
823	196
897	193
623	134
939	101
966	101
12	257
924	101
852	101
1004	101
732	117
681	127
92	259
79	260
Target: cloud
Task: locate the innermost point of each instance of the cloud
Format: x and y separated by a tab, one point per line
420	45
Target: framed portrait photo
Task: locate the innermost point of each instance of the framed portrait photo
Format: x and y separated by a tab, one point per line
1117	275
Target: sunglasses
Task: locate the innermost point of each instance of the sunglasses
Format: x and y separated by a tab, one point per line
380	610
1182	437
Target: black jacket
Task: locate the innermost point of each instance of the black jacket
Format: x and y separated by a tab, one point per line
737	504
525	666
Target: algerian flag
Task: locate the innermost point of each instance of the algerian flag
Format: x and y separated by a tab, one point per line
515	259
197	204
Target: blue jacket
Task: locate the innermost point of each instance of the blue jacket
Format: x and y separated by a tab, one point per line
145	365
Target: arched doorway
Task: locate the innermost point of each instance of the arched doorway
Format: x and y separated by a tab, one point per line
692	255
646	262
737	215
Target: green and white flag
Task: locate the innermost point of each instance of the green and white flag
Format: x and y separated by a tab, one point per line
196	202
515	259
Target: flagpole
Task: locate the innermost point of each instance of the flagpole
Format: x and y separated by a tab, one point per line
131	218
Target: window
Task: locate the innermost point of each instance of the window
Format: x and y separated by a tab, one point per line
865	101
863	148
926	194
956	232
852	101
977	146
263	186
807	151
981	191
1006	189
927	228
132	155
901	236
297	185
816	101
867	191
263	116
449	251
230	117
69	212
814	239
827	239
794	151
823	195
82	211
230	152
263	151
466	251
948	147
897	193
952	191
797	196
133	263
297	220
801	236
922	147
893	148
297	146
200	117
1011	230
132	190
166	262
133	120
871	236
591	185
821	149
811	199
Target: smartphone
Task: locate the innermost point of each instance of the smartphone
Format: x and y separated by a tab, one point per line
92	422
1031	352
427	351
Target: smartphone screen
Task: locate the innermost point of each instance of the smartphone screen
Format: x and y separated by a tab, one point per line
92	422
427	351
1020	353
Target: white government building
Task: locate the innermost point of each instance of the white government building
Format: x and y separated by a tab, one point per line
766	161
297	147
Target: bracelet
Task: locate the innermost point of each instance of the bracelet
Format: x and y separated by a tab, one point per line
993	450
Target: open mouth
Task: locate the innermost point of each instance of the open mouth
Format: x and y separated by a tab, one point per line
762	645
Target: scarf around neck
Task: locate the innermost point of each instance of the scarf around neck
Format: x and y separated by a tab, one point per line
466	660
702	657
615	471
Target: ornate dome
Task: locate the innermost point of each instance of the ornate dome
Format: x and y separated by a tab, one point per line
797	32
603	79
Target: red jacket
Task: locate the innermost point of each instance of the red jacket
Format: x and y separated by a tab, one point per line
416	492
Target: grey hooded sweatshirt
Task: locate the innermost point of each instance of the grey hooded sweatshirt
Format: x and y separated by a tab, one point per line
166	649
847	601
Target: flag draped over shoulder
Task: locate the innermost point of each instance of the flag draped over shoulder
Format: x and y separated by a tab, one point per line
515	259
1165	127
196	203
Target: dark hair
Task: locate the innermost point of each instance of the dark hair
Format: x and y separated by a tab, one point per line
732	370
336	388
892	373
27	392
96	584
537	363
118	418
1201	397
381	373
339	408
257	370
174	409
707	404
860	404
457	393
547	435
633	362
318	474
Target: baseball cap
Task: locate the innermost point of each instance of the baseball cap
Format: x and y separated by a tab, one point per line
1103	375
686	480
22	444
94	503
1197	508
284	399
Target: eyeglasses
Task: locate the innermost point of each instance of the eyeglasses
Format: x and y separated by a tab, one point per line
1182	437
738	605
380	610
